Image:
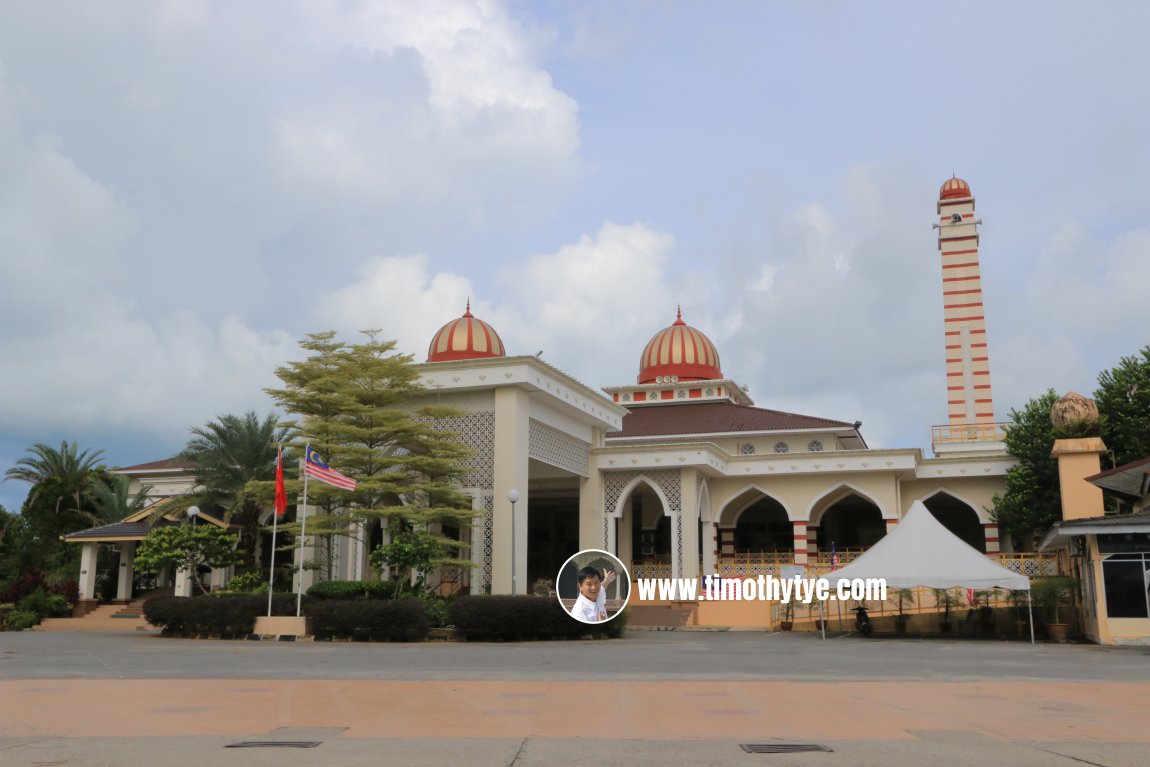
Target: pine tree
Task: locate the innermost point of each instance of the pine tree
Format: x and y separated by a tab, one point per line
355	405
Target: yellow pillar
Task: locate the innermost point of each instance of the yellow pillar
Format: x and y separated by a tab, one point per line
1078	459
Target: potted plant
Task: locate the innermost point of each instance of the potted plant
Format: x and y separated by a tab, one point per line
946	599
985	611
905	598
788	621
1049	594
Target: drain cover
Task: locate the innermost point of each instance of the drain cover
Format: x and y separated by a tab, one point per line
275	744
782	748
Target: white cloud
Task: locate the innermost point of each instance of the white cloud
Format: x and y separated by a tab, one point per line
400	296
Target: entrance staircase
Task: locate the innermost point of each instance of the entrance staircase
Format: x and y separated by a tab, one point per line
105	618
662	616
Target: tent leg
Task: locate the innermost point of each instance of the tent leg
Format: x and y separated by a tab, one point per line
1030	609
822	620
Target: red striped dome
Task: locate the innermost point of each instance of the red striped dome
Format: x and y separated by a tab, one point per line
466	338
679	353
954	189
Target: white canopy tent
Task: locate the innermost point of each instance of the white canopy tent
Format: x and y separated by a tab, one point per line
920	551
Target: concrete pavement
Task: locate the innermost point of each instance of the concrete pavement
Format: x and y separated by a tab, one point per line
653	698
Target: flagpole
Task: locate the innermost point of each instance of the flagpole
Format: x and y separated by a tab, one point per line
275	526
302	532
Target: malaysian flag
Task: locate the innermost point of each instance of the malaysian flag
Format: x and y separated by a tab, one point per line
834	557
314	466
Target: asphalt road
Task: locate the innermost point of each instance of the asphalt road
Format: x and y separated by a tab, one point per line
642	655
663	699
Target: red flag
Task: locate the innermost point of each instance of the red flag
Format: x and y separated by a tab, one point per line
281	492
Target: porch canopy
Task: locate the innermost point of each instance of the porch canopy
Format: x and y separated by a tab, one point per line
920	551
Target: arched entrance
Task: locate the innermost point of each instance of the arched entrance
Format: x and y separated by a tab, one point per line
957	517
764	527
850	523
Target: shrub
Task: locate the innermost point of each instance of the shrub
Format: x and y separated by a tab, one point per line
509	618
214	614
45	605
352	590
247	583
31	581
18	620
404	620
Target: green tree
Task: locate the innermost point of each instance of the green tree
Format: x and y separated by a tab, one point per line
1123	399
113	500
228	454
63	476
410	551
1031	501
362	407
187	547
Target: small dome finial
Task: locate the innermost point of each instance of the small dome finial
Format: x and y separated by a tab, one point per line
468	312
679	315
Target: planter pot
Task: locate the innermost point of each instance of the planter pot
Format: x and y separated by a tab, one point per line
944	628
786	625
442	634
1056	631
900	627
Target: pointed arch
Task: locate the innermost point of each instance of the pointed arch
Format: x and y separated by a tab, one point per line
740	502
983	514
704	502
959	516
834	495
629	488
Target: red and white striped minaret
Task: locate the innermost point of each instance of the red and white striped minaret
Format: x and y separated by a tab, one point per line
967	362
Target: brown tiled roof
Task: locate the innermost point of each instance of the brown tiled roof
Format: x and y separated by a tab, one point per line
116	530
714	418
167	463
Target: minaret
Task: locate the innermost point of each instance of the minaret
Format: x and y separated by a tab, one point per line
967	361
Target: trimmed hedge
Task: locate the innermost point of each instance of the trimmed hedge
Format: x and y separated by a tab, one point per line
215	614
507	618
400	620
352	590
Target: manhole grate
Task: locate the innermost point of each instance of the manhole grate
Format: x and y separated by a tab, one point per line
275	744
782	748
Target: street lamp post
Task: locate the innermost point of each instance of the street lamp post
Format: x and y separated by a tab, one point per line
513	496
193	512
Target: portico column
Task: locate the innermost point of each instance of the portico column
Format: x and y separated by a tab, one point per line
890	525
512	430
184	584
710	548
812	541
800	542
993	545
689	512
124	579
88	571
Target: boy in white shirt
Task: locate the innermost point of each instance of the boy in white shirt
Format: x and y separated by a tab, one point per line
591	606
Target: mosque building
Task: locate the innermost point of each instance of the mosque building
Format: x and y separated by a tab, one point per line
680	473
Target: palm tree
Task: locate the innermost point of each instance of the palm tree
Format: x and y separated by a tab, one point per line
66	470
227	455
113	501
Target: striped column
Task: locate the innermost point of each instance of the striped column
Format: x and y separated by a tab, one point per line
812	540
990	530
800	542
968	391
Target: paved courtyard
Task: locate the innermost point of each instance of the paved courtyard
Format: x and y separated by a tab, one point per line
658	698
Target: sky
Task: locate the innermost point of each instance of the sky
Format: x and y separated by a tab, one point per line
187	188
